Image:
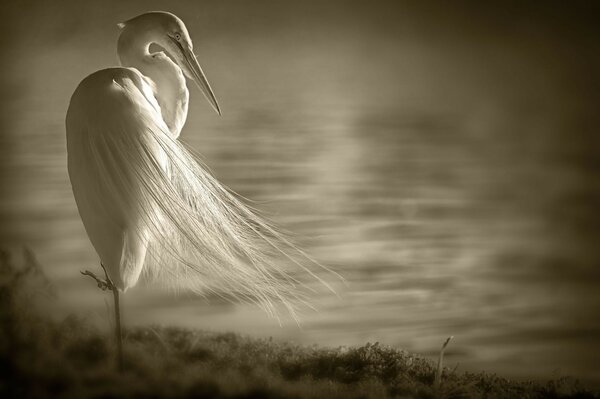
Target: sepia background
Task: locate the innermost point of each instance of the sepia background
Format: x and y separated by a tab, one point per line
444	158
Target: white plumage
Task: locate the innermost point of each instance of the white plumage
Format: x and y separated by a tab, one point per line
146	203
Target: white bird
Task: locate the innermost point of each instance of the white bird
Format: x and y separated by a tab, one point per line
146	203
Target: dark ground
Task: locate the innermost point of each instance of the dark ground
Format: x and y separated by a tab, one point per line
40	358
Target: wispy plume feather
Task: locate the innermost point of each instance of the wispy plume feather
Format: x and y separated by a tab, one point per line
202	237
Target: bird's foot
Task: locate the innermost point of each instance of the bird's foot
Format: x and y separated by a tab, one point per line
102	284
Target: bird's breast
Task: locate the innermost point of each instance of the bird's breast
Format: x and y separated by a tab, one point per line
170	91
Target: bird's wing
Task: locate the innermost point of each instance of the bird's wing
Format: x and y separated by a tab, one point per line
202	237
106	112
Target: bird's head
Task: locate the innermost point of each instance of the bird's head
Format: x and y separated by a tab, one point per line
169	32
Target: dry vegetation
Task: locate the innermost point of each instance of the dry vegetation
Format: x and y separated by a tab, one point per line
71	359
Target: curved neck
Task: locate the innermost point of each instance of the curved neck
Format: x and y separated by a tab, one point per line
170	89
133	46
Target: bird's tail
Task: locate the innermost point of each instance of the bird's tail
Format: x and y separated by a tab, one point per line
202	236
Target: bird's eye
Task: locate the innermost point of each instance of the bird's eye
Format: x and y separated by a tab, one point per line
177	36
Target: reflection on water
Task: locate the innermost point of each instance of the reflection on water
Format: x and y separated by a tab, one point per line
456	195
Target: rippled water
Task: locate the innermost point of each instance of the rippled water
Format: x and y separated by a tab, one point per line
452	180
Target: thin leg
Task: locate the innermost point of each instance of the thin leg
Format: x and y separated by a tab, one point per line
108	285
118	332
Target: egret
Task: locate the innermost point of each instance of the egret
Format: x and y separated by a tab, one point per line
149	207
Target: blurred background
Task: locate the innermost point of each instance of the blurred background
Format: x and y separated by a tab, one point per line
443	157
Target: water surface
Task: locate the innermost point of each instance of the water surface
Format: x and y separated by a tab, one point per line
445	165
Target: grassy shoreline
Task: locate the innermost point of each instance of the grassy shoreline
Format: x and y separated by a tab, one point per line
72	359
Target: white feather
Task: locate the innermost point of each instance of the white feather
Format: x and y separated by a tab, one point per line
148	204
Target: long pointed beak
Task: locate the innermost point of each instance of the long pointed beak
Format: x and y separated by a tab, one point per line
198	76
